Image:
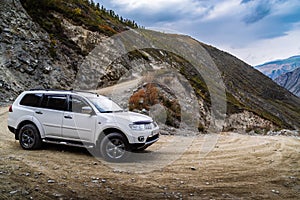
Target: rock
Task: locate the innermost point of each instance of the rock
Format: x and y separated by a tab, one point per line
103	181
51	181
275	191
7	30
57	195
193	168
13	192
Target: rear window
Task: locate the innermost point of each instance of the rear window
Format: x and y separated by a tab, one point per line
32	100
55	102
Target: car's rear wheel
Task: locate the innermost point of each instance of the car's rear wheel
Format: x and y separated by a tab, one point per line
29	137
114	147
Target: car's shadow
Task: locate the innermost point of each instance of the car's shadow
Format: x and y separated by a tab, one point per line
136	156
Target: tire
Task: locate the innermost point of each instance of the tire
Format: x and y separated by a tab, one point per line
114	148
29	137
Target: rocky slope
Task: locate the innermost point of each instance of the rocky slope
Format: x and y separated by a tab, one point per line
290	81
25	56
44	49
46	46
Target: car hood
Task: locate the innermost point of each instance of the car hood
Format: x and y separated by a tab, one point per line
132	117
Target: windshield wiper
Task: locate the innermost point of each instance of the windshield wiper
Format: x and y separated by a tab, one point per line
106	111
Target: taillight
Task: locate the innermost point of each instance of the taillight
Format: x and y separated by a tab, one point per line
10	109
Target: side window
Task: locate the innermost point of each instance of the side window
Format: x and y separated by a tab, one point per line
55	102
32	100
76	104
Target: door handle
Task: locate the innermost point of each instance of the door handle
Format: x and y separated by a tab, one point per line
68	117
38	112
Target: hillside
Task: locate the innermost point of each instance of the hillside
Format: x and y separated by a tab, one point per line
45	43
279	67
290	81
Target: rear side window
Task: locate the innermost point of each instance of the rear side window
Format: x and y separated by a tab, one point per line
55	102
32	100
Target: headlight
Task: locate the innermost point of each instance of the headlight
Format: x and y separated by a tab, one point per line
137	127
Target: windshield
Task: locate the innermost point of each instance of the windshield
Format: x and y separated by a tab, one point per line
105	105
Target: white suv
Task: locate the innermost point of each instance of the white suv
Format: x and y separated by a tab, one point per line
79	119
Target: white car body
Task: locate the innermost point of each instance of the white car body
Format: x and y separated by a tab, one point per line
66	126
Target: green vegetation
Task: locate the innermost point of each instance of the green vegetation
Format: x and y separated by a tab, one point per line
81	12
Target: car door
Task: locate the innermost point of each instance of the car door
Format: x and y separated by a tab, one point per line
50	114
78	125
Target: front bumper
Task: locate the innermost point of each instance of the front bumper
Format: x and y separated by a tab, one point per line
148	142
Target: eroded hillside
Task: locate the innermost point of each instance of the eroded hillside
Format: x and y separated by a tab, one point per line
45	43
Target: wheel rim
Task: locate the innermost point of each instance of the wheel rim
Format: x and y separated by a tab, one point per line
27	138
115	148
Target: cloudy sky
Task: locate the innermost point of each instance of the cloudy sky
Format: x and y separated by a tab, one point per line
255	31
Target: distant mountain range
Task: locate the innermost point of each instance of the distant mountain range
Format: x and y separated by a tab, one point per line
276	68
290	81
285	73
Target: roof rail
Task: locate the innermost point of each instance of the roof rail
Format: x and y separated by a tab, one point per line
60	90
37	89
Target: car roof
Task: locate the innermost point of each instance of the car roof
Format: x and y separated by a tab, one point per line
82	93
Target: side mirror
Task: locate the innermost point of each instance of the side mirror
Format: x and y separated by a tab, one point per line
87	110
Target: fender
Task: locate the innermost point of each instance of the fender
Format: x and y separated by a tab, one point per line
34	121
101	129
39	126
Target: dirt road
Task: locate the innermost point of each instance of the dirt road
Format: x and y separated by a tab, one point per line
238	167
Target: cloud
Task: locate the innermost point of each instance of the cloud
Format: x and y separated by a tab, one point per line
234	24
266	50
257	13
222	9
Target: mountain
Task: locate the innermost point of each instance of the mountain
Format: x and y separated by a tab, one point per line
290	81
283	72
276	68
46	43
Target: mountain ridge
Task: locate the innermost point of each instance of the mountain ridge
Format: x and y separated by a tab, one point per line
275	68
290	81
284	72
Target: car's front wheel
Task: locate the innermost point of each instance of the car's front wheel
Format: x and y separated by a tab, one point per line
29	137
114	147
